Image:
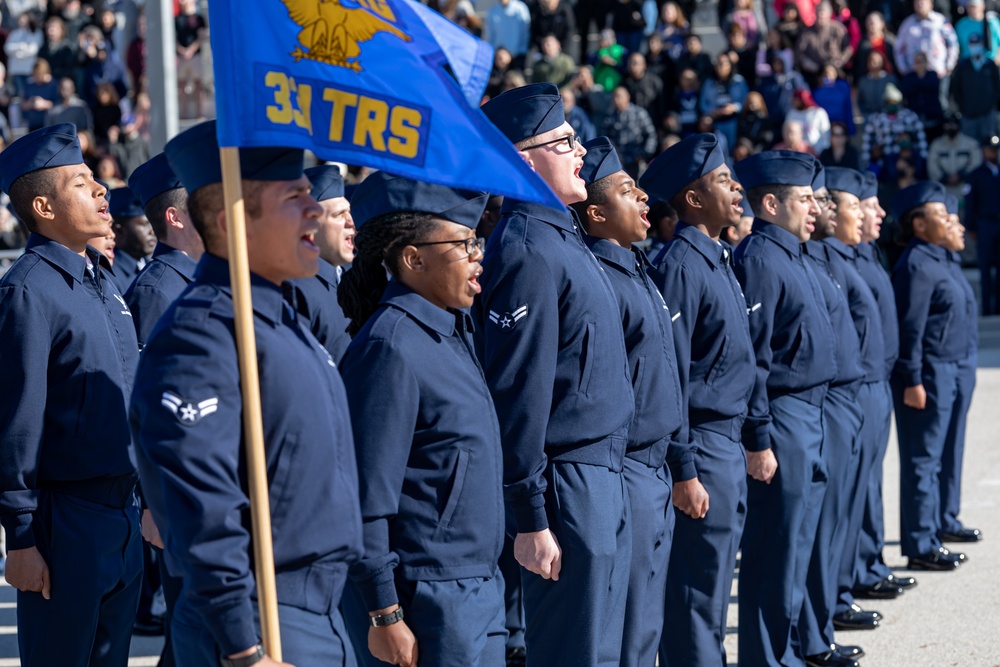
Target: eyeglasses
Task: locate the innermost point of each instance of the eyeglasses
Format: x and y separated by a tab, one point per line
823	201
571	140
472	246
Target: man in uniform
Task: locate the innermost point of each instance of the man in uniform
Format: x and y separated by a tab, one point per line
134	237
316	298
551	342
187	417
982	213
614	215
791	333
716	363
68	353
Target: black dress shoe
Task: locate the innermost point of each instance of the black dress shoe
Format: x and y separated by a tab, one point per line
848	651
903	582
882	590
962	535
856	619
148	626
940	560
516	657
830	659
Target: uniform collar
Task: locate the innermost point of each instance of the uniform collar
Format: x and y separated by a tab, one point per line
716	253
815	249
64	259
865	250
564	218
937	252
955	257
841	247
327	273
613	253
176	260
268	301
423	311
782	237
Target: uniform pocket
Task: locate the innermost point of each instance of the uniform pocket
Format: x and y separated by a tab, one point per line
86	406
720	361
587	354
278	488
457	484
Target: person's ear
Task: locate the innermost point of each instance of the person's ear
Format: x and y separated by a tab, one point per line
693	199
42	207
770	204
411	260
526	156
596	214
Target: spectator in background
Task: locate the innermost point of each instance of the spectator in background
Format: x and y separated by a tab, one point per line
143	114
825	43
706	125
834	95
953	156
88	146
813	118
975	86
662	223
982	217
743	149
106	68
508	24
552	17
107	113
660	64
554	66
576	116
645	89
70	108
609	58
7	93
107	171
779	89
135	56
631	130
77	15
840	152
790	25
722	97
127	146
921	91
972	24
591	96
881	142
673	29
806	9
742	54
22	47
842	15
107	23
190	28
927	32
628	23
592	11
41	93
755	124
745	17
793	139
684	105
871	86
775	48
513	79
695	58
502	61
877	39
58	50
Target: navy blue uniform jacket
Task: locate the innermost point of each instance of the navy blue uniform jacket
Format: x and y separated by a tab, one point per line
550	338
428	448
157	286
869	263
68	356
845	343
316	300
187	418
842	263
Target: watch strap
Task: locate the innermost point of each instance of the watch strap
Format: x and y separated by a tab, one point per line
247	660
383	620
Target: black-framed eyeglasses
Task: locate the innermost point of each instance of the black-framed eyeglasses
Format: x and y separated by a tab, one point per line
472	246
823	201
571	140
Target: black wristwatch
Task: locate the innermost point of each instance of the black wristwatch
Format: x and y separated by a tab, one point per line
246	660
387	619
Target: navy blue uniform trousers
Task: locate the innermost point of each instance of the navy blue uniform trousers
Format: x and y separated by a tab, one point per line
513	606
780	530
869	567
457	623
94	555
703	557
922	436
954	447
842	419
588	511
649	493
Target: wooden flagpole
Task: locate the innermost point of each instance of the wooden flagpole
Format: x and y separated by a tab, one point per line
246	345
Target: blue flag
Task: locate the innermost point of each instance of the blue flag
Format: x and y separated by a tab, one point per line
379	83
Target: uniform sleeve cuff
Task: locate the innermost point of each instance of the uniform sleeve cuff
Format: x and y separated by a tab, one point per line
379	590
18	529
911	378
233	626
529	513
682	466
757	438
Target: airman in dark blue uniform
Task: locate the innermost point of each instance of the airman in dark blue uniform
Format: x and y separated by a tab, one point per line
716	368
983	215
614	216
550	338
934	321
791	333
68	353
134	238
316	298
836	191
427	437
187	418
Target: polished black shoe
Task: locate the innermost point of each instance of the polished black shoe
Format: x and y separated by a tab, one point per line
962	535
516	657
856	619
148	626
830	659
903	582
849	651
940	560
882	590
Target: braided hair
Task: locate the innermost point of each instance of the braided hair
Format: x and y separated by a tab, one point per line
379	243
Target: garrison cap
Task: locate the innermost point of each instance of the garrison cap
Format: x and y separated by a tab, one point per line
846	180
819	176
918	194
382	193
153	178
327	183
194	157
776	168
52	146
951	203
682	164
122	203
600	161
526	111
871	185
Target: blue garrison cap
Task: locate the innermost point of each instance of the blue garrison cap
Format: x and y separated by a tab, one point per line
122	203
153	178
526	111
52	146
871	185
327	183
601	160
819	176
776	168
951	203
918	194
682	164
846	180
383	193
194	157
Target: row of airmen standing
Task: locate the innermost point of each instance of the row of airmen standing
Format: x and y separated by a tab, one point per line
593	388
